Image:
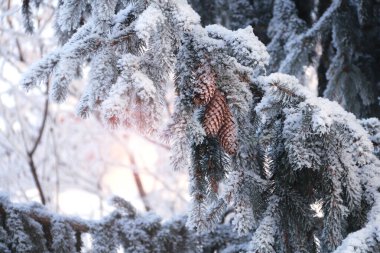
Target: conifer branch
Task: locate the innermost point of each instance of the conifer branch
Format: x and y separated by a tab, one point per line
45	218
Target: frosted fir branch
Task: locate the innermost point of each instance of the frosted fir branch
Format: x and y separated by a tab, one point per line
324	22
147	23
299	57
80	34
128	43
286	94
198	190
367	238
126	15
216	213
369	232
158	61
146	106
372	126
105	235
335	213
133	100
70	60
238	95
184	131
352	189
146	233
283	87
343	73
264	238
27	16
180	154
102	76
69	14
300	45
241	44
21	241
296	143
329	129
104	9
197	218
40	71
236	195
284	26
244	220
210	166
122	27
180	15
44	217
121	93
83	107
63	236
123	206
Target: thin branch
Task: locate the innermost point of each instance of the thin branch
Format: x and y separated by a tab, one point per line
138	182
18	45
30	153
33	170
325	20
43	124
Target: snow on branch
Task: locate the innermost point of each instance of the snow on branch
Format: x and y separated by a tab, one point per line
31	228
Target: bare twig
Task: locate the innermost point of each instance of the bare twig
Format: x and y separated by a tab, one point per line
30	153
138	182
42	128
33	169
18	45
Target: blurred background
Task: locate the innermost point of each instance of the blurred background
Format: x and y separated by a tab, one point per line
72	165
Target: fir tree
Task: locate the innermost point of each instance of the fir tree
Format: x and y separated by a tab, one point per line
298	171
331	46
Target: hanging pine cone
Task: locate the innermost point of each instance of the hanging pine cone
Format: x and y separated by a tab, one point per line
214	114
227	134
205	85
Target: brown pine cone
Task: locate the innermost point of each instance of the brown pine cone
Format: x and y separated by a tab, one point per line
205	85
214	115
228	135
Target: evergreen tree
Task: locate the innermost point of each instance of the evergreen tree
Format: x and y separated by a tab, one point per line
299	172
331	46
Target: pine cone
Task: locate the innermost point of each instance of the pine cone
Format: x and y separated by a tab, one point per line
205	85
227	134
214	114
